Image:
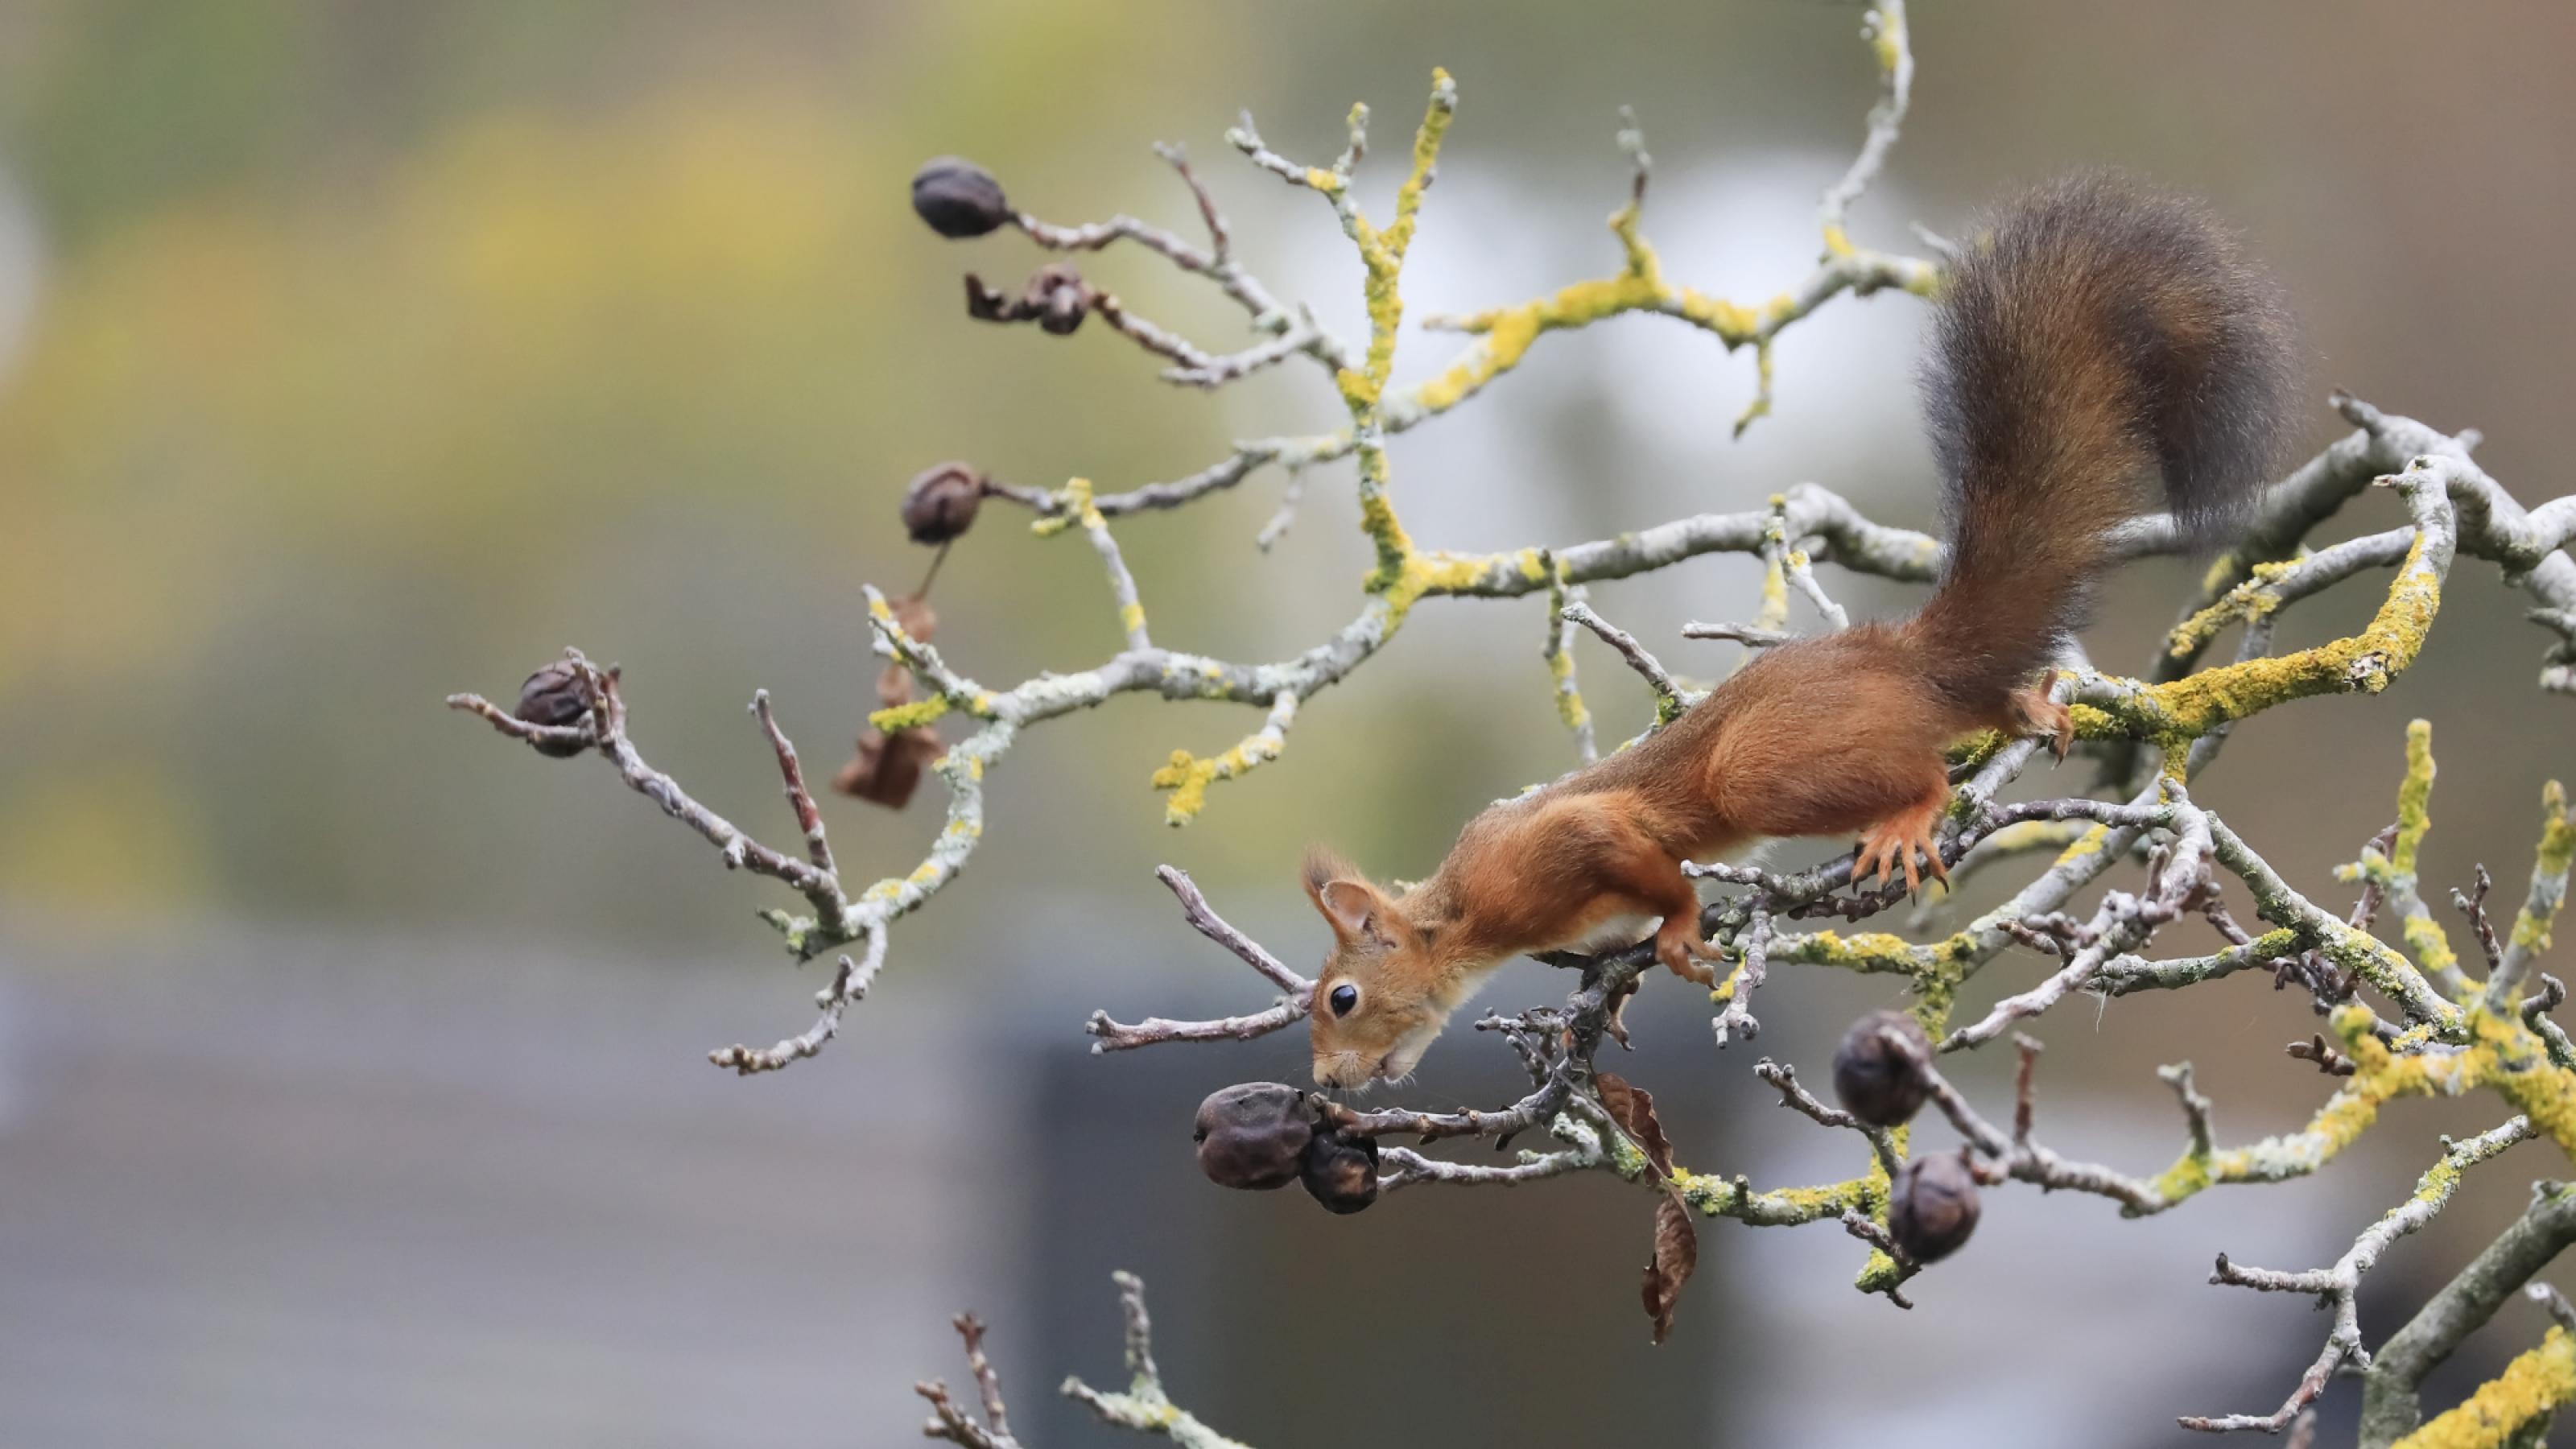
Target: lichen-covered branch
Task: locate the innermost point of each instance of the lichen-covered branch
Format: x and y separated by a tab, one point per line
2339	1287
1143	1406
2389	1411
2439	1046
2404	1020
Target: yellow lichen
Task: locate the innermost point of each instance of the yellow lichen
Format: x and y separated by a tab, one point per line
1188	776
2089	843
1864	951
2432	947
2548	872
2189	707
1888	38
1760	407
2518	1064
2414	797
1569	701
2534	1384
1509	331
1073	505
1724	992
1733	323
908	716
1774	610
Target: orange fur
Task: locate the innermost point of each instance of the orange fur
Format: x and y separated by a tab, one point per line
2097	335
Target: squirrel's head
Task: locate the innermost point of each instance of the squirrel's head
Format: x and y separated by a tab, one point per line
1376	1010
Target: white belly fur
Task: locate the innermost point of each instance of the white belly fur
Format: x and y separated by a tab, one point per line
1612	932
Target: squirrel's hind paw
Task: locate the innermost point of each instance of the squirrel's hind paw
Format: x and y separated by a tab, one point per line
1685	954
2035	714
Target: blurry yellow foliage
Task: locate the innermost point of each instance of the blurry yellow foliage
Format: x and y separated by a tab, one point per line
111	835
532	312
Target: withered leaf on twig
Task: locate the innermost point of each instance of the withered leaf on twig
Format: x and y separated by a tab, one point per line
887	768
1056	298
1633	1108
1676	1254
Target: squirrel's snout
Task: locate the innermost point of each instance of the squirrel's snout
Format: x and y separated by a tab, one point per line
1343	1069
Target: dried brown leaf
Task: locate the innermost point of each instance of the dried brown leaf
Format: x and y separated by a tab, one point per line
916	617
1633	1108
1676	1254
886	769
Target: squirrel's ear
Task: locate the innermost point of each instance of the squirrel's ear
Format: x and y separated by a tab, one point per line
1350	904
1322	868
1353	907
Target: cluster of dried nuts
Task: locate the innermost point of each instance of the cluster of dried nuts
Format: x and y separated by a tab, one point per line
1264	1135
1932	1206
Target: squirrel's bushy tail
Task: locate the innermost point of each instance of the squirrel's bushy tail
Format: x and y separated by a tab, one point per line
2096	335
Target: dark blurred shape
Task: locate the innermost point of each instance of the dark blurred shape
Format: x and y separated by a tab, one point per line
1933	1207
940	502
1255	1135
555	696
1055	297
1874	1080
1061	296
1340	1172
958	198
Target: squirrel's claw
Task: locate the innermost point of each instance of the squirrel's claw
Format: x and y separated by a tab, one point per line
1891	845
2034	713
1683	954
1616	1027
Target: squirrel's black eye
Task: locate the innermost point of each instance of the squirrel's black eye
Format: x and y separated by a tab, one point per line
1345	996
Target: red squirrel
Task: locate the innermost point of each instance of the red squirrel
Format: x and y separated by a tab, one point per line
2095	335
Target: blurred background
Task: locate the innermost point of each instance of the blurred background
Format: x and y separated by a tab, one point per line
351	1060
